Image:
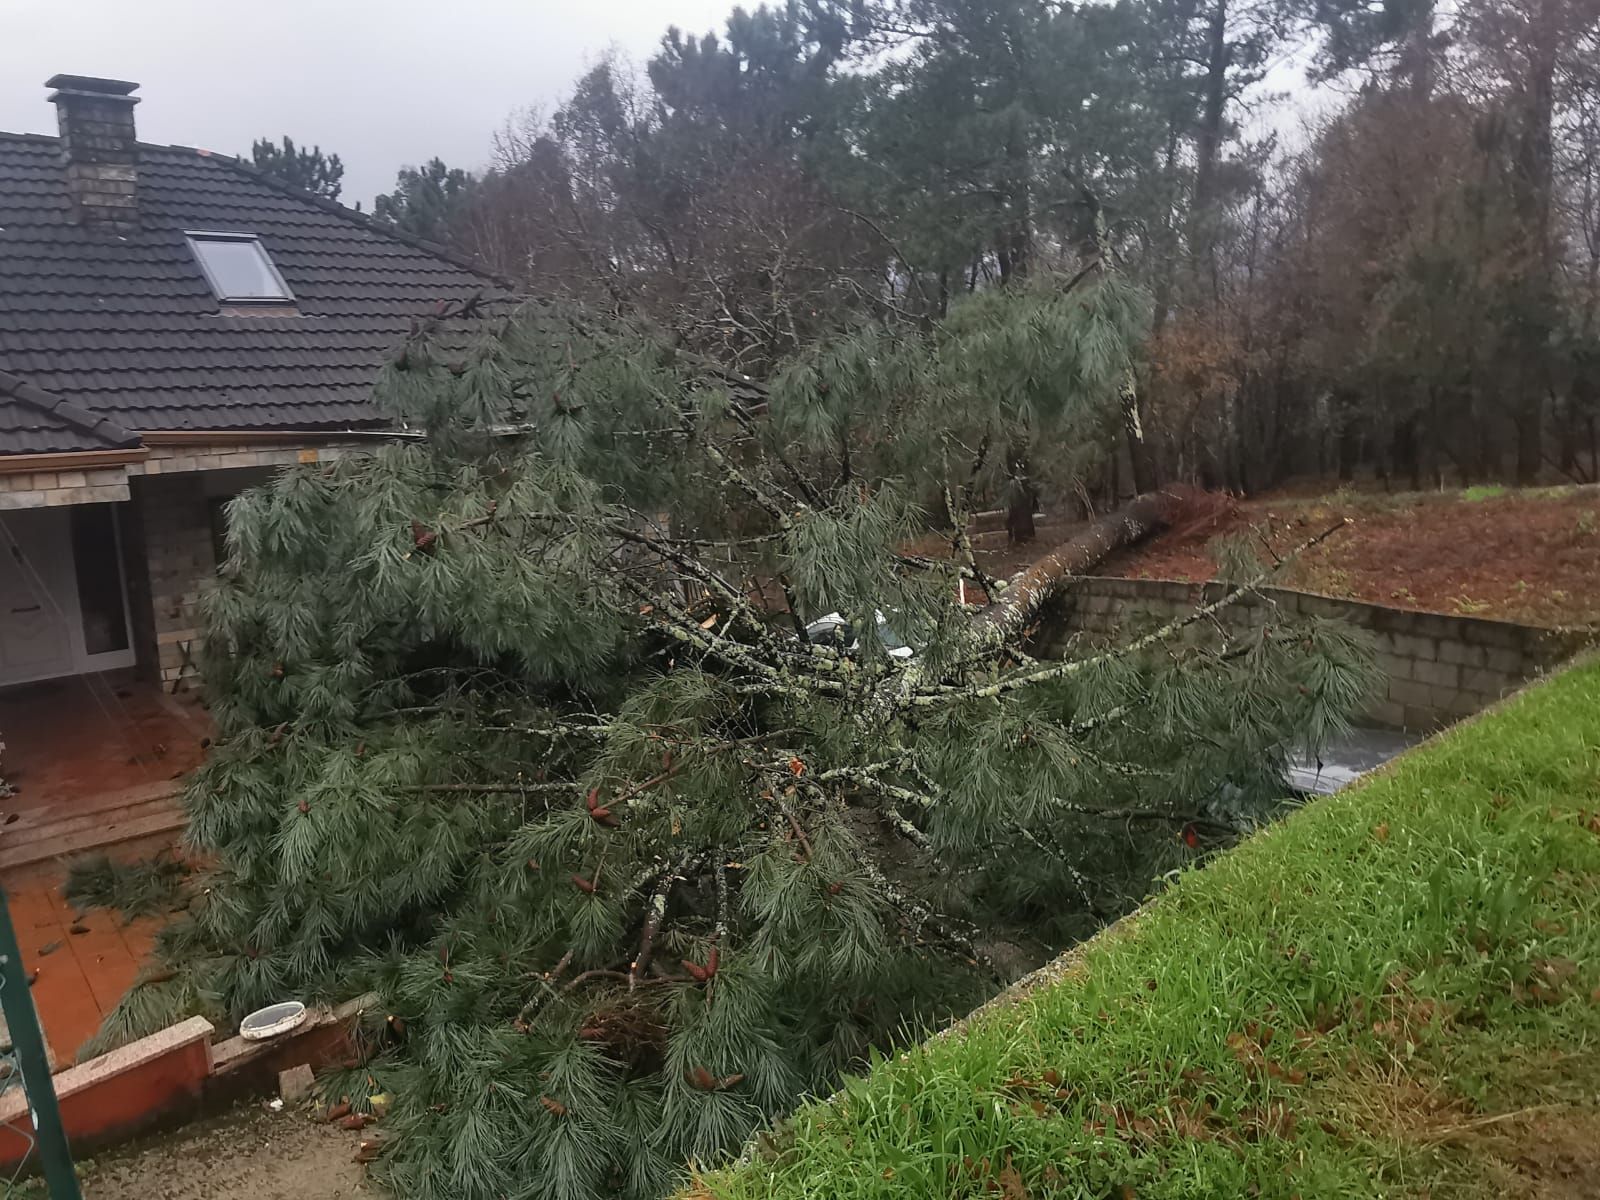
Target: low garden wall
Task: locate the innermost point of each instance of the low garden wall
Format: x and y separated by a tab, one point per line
170	1077
1438	668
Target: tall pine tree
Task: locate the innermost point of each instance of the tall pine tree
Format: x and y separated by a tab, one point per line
310	170
427	201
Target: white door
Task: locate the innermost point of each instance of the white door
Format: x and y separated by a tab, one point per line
38	595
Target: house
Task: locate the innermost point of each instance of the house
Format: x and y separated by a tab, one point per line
174	326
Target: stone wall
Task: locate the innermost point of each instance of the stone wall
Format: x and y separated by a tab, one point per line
92	479
173	491
1438	668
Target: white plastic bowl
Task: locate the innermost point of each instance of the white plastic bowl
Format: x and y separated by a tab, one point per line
272	1020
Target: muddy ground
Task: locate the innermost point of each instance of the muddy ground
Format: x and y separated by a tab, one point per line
1531	556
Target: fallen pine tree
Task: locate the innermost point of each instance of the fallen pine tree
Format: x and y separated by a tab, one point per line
633	860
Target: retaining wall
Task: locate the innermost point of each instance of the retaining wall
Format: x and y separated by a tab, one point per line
1438	668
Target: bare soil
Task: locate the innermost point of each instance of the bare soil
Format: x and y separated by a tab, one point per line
246	1153
1531	556
1554	1156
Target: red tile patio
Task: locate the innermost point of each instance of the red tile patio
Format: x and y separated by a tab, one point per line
90	735
84	974
96	762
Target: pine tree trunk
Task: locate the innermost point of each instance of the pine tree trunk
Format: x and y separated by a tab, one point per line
1535	171
1208	139
1214	100
1349	445
1139	455
1031	587
1530	438
1019	515
1416	64
1024	499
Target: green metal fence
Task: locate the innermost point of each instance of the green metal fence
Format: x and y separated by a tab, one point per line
25	1064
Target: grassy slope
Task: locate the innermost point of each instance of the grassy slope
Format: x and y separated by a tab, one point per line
1393	992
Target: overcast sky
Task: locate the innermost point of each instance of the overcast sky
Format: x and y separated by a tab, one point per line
381	82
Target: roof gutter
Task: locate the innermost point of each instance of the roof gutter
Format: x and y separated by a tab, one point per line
71	460
213	437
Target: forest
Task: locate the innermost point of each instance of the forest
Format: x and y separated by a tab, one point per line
1370	229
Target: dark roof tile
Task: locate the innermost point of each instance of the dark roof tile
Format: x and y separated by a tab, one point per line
126	327
32	421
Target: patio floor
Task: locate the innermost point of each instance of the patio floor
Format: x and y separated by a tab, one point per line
84	974
96	762
88	735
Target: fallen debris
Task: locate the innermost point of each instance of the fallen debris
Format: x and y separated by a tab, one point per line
294	1085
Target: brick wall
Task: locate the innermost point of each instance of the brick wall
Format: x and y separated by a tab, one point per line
1438	668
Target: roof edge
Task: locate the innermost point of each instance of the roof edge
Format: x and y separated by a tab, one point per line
365	220
19	461
258	434
81	419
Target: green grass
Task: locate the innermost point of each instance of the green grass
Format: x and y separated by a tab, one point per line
1395	991
1370	501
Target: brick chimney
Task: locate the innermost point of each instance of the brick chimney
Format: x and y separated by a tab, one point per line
98	148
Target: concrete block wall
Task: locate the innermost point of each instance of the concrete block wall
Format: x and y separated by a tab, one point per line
187	458
173	1075
47	489
117	1095
175	524
172	513
1437	668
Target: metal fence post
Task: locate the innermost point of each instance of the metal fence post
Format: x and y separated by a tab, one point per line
27	1040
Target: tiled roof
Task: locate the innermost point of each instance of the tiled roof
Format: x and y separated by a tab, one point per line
126	327
35	422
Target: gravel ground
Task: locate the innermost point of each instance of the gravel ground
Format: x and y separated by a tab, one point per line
246	1153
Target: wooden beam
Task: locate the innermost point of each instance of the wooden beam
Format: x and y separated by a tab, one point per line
71	460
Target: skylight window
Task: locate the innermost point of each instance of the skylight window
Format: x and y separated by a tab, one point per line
238	269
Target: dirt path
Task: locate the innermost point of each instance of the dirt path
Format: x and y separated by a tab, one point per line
244	1154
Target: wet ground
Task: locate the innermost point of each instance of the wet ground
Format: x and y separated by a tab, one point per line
84	756
90	735
1529	555
1347	758
80	964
